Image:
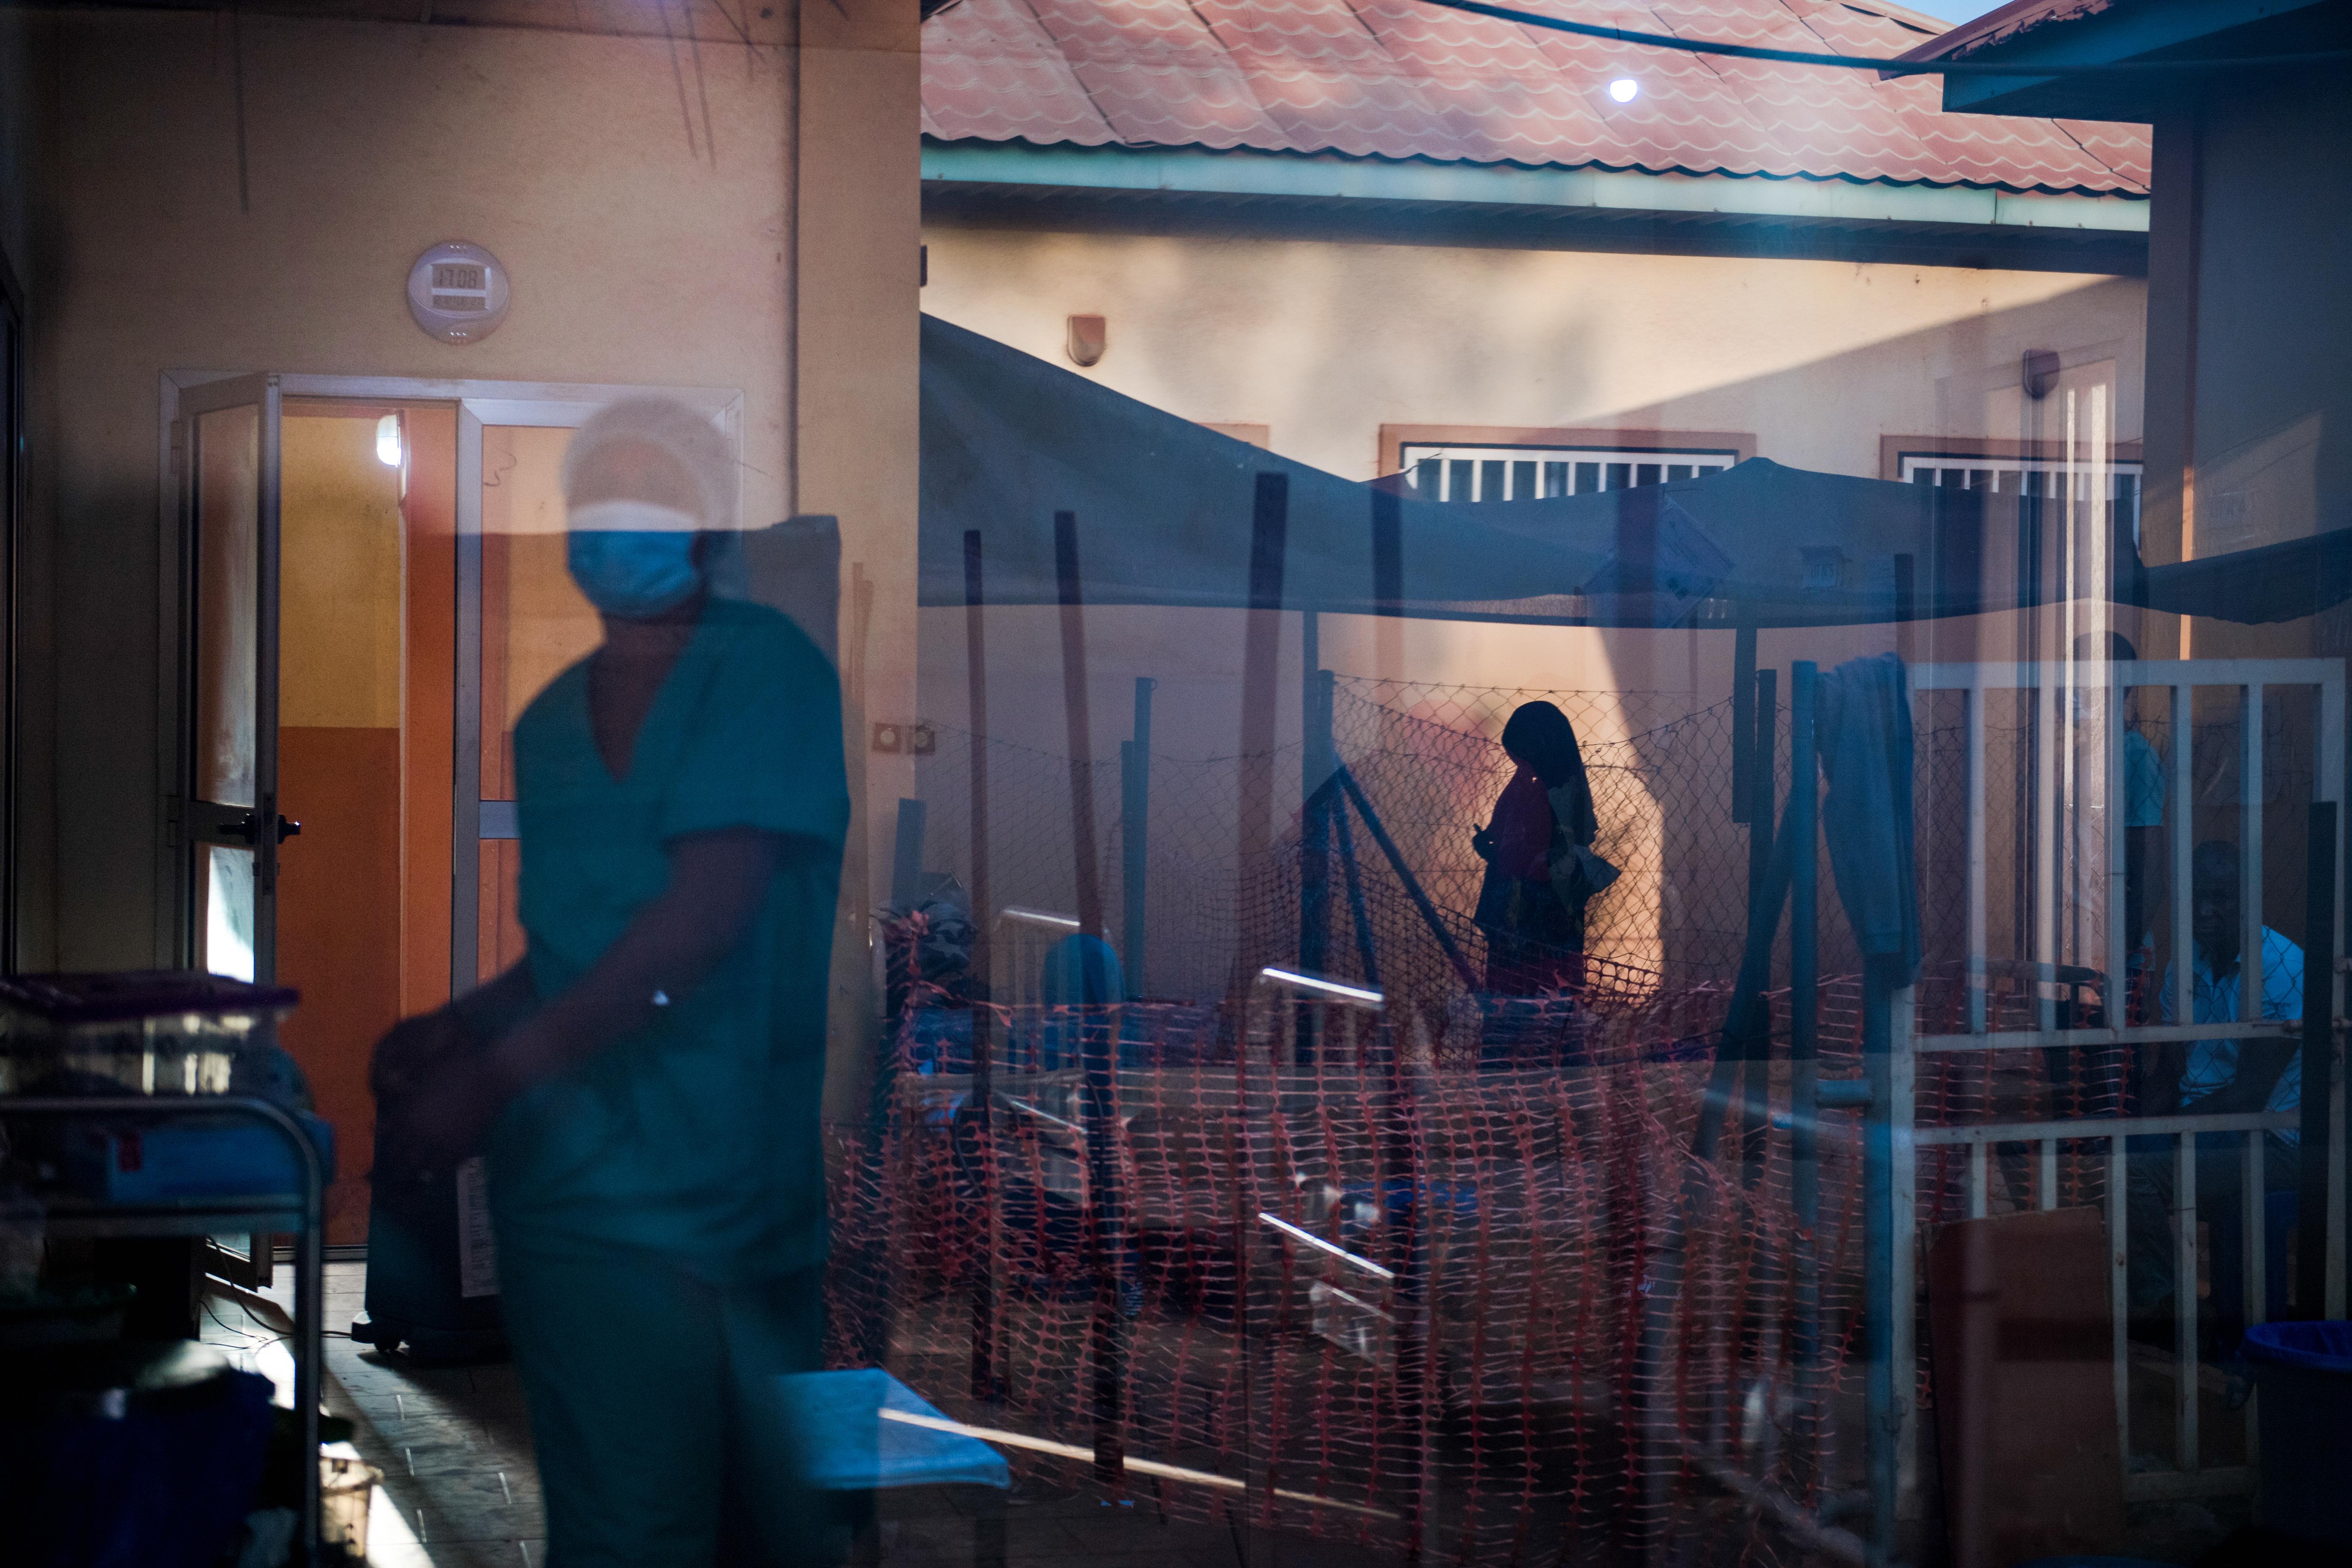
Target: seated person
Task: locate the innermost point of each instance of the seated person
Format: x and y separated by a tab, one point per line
2223	1076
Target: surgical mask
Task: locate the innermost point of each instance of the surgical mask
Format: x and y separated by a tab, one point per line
633	559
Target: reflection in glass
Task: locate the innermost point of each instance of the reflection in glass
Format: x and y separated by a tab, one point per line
227	565
535	623
228	913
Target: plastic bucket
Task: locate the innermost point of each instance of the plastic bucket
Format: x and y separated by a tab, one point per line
2303	1372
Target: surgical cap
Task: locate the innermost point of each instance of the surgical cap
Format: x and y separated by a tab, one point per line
699	446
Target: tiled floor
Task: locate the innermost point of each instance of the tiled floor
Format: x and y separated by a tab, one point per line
460	1489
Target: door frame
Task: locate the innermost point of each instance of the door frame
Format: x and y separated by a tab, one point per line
479	403
195	822
13	459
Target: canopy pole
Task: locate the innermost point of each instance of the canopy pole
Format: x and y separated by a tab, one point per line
1077	714
1743	726
984	1382
1359	912
907	855
1261	657
2318	1061
1315	832
1763	750
1387	584
1804	1065
1135	835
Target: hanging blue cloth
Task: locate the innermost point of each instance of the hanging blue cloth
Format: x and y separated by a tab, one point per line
1865	750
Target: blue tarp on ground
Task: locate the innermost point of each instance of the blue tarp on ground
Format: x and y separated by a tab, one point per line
1165	508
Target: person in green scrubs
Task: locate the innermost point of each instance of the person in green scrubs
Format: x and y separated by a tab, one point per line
645	1084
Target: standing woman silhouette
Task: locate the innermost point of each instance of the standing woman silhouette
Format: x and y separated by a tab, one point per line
1535	940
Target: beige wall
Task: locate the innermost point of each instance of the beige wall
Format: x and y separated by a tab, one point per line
856	349
647	246
1325	342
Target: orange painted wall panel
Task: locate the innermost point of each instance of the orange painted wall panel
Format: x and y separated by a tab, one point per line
339	934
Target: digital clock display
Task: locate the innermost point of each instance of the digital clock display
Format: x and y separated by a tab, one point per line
457	292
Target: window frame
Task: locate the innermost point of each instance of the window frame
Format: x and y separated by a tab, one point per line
1737	446
1976	451
1894	449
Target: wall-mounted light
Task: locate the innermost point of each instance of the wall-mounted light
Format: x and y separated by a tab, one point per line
387	440
1624	89
2040	372
1090	339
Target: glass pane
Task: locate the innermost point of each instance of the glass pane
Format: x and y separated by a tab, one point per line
228	912
535	622
227	531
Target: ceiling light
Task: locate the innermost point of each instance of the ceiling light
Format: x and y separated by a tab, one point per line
387	440
1624	89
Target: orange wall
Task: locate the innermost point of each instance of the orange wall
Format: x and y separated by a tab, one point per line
339	934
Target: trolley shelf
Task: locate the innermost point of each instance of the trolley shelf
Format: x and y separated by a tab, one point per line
301	1213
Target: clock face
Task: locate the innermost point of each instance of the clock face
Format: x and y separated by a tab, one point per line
457	292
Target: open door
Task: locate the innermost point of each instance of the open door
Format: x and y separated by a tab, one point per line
225	442
227	439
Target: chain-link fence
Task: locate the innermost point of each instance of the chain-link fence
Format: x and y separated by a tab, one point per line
1539	1392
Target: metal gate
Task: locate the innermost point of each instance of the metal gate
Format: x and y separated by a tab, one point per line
2077	856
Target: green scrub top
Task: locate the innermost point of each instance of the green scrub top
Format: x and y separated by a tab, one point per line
697	1134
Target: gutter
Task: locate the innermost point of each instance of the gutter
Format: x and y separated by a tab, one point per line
1198	172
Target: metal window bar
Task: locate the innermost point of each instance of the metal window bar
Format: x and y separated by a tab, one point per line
2051	685
1474	472
2009	475
2117	481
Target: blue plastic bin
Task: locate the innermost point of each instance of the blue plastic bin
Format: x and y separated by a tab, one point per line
2303	1372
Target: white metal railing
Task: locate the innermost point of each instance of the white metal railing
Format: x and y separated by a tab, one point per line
2100	815
1020	939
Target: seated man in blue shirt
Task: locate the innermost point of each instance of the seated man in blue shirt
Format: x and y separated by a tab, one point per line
2218	1077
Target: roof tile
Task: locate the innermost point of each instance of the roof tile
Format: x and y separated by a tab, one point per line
1400	79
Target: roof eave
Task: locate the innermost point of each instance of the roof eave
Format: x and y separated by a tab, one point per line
2069	34
1545	207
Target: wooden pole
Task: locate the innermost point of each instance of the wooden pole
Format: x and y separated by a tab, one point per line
1076	715
983	1286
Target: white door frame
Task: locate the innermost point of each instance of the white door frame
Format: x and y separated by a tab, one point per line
547	404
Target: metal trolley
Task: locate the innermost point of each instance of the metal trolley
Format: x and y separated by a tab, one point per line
303	1213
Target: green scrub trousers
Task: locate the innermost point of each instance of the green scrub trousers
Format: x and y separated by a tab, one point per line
653	1410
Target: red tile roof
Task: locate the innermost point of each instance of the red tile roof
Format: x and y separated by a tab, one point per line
1397	79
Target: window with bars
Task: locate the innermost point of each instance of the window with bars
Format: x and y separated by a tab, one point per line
2046	477
1477	472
